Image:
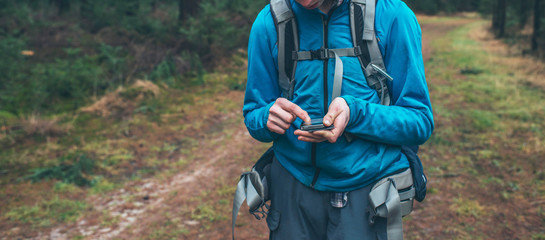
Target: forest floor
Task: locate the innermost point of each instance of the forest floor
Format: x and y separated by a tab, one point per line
172	164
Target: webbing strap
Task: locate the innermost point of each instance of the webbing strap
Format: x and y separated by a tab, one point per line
386	203
338	77
282	10
245	191
285	21
369	21
283	79
322	54
240	196
368	7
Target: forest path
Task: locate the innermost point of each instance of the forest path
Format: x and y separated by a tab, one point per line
196	202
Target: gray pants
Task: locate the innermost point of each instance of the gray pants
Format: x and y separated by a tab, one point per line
299	212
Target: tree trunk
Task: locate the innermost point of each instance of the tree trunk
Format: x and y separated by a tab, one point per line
187	8
498	18
537	24
85	9
494	16
523	12
63	6
131	8
153	5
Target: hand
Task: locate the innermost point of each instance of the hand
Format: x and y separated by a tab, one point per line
282	113
338	114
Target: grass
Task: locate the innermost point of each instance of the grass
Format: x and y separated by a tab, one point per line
48	212
209	210
482	157
466	207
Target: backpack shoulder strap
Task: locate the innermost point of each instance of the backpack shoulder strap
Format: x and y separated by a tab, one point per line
288	42
362	25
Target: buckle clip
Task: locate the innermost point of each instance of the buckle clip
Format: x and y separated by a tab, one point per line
319	54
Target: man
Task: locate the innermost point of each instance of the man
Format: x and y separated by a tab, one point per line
321	180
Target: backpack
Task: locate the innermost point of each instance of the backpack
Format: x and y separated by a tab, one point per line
362	23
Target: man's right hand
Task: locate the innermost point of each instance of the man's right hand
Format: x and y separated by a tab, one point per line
282	113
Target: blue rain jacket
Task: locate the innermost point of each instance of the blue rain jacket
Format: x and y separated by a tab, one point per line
380	130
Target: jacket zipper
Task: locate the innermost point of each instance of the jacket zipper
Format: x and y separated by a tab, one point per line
326	62
325	93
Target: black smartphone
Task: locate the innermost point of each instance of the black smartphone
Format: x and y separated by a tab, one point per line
315	125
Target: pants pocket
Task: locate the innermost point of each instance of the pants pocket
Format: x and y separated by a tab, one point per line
273	219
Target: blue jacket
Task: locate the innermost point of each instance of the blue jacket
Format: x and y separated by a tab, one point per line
375	152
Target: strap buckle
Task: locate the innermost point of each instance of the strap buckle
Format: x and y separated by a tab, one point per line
319	54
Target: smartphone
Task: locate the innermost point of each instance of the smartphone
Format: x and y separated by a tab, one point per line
315	125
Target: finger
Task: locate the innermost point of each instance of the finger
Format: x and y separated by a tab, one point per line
282	116
334	134
278	122
309	136
330	135
312	140
294	109
299	132
334	111
275	128
277	110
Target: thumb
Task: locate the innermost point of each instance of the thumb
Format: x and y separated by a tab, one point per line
331	115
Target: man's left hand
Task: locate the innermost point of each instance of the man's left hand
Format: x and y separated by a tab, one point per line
338	114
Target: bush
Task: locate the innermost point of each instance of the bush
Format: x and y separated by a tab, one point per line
72	168
210	33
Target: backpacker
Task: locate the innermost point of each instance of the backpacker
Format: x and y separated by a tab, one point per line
362	17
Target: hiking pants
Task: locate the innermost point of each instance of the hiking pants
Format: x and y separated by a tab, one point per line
299	212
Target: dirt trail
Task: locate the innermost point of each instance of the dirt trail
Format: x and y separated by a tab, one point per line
140	206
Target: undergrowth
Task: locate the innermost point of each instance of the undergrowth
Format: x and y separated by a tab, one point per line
72	168
56	56
485	154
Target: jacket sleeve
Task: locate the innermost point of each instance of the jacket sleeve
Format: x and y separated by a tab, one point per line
262	85
409	120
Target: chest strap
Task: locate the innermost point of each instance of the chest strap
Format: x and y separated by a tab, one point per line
324	53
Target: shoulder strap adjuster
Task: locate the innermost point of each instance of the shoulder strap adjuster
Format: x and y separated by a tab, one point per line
357	51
